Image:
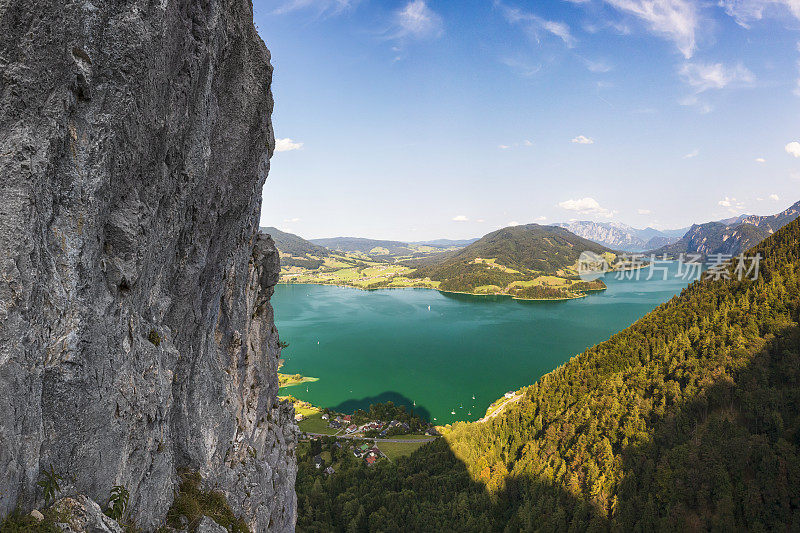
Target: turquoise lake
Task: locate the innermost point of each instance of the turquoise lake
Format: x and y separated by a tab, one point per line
374	346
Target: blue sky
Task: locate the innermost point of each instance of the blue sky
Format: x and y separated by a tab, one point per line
423	119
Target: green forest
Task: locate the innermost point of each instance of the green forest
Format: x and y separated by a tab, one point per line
685	421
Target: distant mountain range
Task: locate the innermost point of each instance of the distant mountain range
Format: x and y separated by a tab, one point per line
621	236
732	236
534	247
446	243
364	246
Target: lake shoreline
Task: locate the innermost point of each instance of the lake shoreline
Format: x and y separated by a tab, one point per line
583	294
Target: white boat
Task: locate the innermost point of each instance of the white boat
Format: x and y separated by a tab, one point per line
473	396
429	308
452	412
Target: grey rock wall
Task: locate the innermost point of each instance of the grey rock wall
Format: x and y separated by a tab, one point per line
136	334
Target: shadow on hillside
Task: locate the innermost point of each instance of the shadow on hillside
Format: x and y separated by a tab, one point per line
430	491
348	406
729	459
726	460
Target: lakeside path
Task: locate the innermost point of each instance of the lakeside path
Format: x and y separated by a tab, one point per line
500	409
410	441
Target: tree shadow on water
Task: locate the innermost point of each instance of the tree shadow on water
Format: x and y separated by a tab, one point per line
349	406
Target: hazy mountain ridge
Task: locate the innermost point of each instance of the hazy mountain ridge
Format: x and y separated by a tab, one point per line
732	236
362	245
620	236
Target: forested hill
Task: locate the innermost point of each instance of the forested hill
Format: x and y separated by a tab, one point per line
515	252
364	246
688	420
289	243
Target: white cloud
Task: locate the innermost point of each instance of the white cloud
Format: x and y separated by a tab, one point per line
541	218
513	223
526	142
287	145
460	218
480	220
597	66
417	20
582	139
521	66
676	20
705	76
774	197
746	11
694	101
331	7
291	219
732	204
793	148
586	206
760	160
534	24
644	211
693	153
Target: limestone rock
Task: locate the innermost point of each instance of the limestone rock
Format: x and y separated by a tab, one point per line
136	334
85	516
207	525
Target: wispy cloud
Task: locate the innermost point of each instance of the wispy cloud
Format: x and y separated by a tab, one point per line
693	153
291	220
287	145
694	101
320	7
525	143
793	148
417	20
513	223
586	206
535	25
521	67
676	20
760	160
774	197
732	204
705	76
644	211
747	11
582	139
597	66
460	218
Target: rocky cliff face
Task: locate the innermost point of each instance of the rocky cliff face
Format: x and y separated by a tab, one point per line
136	334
